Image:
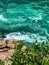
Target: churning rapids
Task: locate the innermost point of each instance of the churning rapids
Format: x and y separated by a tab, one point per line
28	20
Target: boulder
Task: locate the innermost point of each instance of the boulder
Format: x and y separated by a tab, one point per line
2	43
11	43
24	48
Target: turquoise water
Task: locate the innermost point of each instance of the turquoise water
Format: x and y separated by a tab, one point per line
24	20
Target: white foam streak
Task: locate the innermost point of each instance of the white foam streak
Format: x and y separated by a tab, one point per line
25	37
2	18
35	18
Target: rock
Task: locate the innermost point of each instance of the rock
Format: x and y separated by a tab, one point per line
10	52
2	43
6	54
3	50
11	43
8	43
24	48
3	55
6	49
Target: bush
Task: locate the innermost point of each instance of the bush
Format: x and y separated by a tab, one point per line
35	54
2	62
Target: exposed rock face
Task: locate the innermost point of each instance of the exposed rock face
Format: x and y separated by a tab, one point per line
6	48
6	54
7	43
2	43
10	43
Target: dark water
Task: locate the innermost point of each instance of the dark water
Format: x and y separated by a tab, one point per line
25	19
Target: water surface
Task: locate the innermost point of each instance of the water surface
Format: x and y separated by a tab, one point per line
25	20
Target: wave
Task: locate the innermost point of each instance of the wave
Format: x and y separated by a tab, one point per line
26	37
31	17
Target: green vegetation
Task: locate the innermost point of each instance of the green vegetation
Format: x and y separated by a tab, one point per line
2	62
35	54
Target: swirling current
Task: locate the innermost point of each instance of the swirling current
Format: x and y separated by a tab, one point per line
25	20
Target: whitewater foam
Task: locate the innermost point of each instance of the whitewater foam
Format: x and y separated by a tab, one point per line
27	37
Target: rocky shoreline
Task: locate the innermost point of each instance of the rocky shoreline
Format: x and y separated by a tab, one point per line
7	49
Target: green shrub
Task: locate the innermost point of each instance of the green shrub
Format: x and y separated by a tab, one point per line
2	62
36	54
